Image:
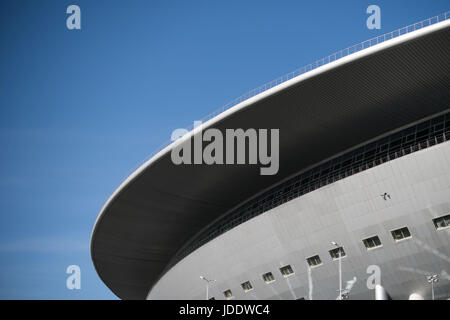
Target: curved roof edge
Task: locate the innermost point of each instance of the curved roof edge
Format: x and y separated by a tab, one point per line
278	88
261	96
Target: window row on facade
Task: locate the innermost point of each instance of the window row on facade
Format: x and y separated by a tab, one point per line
404	142
373	242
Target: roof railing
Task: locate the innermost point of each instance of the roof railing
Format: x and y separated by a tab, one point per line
318	63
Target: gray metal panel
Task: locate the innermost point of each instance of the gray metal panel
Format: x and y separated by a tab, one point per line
161	209
345	211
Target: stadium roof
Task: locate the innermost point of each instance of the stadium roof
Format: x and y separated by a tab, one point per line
321	113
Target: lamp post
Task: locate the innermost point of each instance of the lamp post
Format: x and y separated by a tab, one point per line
340	268
433	279
207	285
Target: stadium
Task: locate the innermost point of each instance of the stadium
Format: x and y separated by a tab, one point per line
363	184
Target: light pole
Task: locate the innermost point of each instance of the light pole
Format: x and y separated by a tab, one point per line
207	285
433	279
340	269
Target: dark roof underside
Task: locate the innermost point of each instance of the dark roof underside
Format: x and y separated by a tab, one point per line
165	206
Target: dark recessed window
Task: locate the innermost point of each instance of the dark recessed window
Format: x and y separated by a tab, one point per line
314	261
400	234
337	252
247	286
228	294
372	242
268	277
442	222
286	271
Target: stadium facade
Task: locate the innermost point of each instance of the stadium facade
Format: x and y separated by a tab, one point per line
364	164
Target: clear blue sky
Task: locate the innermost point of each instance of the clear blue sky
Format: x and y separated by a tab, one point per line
79	110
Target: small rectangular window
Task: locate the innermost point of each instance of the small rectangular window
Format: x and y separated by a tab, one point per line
247	286
228	294
372	242
337	252
400	234
442	222
268	277
286	271
314	261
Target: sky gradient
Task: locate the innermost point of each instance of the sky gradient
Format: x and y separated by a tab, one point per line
81	109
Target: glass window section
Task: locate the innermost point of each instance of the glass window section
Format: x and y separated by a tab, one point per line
401	233
314	261
228	294
337	252
398	144
372	242
286	270
442	222
247	286
268	277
